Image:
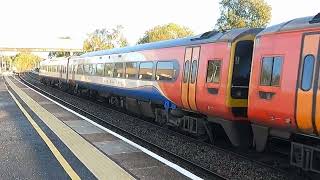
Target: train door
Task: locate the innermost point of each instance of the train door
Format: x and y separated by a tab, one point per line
308	95
238	83
189	80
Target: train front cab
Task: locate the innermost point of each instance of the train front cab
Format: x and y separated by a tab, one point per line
284	95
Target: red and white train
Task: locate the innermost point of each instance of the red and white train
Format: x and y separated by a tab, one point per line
254	83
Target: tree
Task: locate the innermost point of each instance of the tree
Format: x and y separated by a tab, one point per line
165	32
25	61
105	39
243	13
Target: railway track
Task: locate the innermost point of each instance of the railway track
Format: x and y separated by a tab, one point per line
206	172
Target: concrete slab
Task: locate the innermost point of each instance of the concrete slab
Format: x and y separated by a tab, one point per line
115	147
99	137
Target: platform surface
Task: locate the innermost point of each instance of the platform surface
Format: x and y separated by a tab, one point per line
24	155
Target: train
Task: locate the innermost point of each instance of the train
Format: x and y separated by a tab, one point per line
253	83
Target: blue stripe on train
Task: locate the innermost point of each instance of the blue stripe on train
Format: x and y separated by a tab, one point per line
145	93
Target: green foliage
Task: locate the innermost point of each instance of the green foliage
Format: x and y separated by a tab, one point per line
105	39
243	13
165	32
25	61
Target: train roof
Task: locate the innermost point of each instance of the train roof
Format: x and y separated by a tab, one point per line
208	37
55	61
295	24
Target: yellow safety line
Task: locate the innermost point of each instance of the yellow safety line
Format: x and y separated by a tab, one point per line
66	166
98	163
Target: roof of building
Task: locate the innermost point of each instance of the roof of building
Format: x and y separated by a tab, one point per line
295	24
208	37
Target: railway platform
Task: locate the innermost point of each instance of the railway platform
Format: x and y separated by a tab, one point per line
41	139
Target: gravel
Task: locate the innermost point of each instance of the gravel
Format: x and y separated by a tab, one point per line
226	164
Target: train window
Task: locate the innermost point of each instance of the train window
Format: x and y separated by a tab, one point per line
307	73
276	71
146	70
194	71
213	71
70	68
271	71
100	70
131	70
266	71
86	69
186	71
80	69
165	71
118	70
108	70
92	69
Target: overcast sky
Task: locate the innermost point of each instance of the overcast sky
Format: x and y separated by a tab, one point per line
29	23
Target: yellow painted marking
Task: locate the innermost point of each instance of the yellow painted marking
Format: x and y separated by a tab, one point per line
66	166
98	163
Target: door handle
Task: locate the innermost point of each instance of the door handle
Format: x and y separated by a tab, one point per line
266	95
213	90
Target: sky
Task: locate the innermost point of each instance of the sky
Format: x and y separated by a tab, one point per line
35	23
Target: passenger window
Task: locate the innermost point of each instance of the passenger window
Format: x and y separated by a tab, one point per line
100	69
271	71
186	71
165	71
307	73
266	71
80	69
276	71
194	71
118	70
146	71
86	69
108	70
131	70
93	69
213	71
